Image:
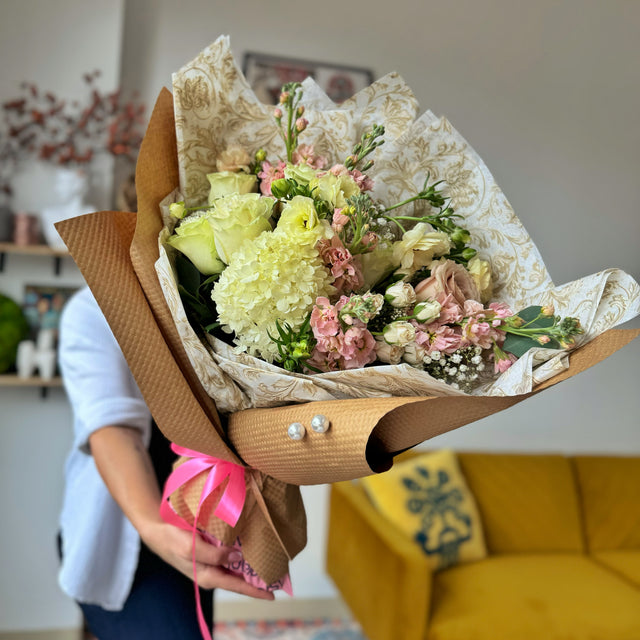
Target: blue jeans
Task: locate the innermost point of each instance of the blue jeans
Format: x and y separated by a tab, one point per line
161	606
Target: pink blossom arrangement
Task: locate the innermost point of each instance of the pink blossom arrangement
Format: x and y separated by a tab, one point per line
295	262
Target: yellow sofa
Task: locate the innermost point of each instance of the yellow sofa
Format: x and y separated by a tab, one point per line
563	541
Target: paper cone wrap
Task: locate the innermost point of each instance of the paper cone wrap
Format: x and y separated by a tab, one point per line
234	407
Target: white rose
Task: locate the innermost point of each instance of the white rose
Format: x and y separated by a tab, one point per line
399	333
400	294
427	311
414	354
388	353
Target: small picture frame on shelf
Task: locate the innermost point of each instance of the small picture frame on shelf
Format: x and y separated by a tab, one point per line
42	308
266	74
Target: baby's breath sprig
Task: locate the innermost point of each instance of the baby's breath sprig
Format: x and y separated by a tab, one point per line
295	346
369	142
461	369
290	98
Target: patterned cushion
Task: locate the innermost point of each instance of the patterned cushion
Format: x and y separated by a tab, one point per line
427	498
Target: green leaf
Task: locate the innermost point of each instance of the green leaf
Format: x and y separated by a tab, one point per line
519	345
530	313
188	275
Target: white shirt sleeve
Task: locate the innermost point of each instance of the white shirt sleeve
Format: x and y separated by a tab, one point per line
96	376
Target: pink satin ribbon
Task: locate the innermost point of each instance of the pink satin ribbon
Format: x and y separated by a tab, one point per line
229	506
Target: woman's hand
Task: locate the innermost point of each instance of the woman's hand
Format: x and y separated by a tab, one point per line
173	545
125	467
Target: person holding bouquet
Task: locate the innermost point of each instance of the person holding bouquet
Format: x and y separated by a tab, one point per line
129	570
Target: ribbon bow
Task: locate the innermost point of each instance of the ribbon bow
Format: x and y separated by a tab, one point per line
229	506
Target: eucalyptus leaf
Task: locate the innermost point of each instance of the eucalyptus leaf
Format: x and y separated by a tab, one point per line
519	345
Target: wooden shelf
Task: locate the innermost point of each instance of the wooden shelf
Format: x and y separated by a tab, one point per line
32	249
12	380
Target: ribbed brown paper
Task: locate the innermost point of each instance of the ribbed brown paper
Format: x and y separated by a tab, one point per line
116	253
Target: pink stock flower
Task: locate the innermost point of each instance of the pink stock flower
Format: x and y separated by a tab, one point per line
324	360
500	309
305	154
358	348
339	220
364	182
480	333
500	365
268	174
450	311
475	309
324	319
338	259
370	240
444	338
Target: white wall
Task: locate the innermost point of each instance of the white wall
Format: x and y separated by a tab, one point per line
548	94
51	44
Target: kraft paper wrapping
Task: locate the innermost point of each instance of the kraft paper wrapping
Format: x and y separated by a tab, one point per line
117	253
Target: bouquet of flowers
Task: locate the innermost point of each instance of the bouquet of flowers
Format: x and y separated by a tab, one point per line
274	279
304	268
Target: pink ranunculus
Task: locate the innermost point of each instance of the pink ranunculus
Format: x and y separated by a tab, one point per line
305	154
450	278
268	174
358	348
324	319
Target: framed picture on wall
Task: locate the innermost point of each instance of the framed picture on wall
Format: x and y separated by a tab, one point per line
266	75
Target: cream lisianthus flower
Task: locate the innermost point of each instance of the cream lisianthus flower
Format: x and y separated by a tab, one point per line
195	239
334	189
226	183
237	218
299	219
419	247
480	271
301	173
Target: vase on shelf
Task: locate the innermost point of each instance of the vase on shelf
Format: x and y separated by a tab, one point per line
71	187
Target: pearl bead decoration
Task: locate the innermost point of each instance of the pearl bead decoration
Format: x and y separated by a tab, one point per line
320	423
296	431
